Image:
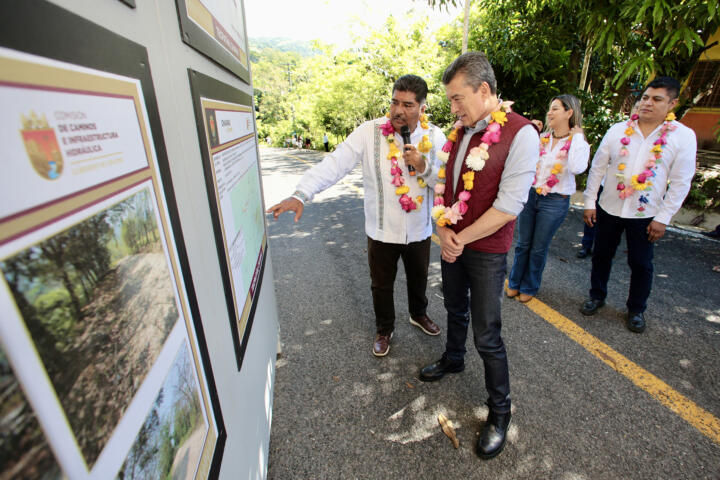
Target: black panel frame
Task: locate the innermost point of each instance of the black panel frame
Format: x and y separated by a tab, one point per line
204	86
199	39
44	29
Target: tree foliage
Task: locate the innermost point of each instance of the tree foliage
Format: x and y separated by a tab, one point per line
538	50
334	91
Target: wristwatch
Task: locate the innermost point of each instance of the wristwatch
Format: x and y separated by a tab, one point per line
300	196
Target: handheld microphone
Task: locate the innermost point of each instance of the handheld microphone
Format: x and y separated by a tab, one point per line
405	133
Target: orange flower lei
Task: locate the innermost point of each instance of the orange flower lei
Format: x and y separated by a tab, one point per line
475	161
406	201
641	181
558	167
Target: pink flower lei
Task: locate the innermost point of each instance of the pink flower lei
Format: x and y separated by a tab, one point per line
406	201
641	182
475	161
558	167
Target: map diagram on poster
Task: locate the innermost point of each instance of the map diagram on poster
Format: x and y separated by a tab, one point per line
230	134
241	198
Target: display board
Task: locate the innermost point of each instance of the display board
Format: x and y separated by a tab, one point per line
103	366
226	127
216	28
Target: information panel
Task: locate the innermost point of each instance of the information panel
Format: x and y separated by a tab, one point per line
232	173
216	28
103	368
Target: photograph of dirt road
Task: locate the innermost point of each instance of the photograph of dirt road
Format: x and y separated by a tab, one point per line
24	452
170	441
99	304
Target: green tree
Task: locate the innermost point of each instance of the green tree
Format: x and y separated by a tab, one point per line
144	453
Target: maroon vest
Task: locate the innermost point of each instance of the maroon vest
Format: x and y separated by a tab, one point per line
485	186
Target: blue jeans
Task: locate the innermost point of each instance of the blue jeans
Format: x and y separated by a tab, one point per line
640	257
481	275
537	223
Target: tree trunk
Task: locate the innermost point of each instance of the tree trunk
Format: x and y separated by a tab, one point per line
56	257
466	26
586	66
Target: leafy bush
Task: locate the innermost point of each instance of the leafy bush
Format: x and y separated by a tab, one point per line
705	190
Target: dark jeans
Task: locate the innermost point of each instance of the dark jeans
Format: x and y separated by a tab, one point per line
588	237
482	276
383	258
537	223
640	256
589	232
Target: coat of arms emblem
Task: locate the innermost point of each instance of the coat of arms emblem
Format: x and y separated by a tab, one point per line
42	146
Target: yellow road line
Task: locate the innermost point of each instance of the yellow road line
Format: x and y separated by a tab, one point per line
296	158
685	408
688	410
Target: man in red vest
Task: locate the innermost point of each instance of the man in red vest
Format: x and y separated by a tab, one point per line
475	246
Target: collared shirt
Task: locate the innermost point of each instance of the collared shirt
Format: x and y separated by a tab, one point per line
670	184
519	166
576	162
385	220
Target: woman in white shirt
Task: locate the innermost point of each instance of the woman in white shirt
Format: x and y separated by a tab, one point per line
564	153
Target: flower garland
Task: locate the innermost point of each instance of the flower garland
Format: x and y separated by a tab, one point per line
406	201
475	161
641	181
557	168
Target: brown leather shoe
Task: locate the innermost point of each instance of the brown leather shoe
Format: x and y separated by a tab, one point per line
524	297
425	324
381	346
511	292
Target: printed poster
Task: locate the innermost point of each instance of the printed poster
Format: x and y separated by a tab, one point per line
236	174
217	29
226	127
98	353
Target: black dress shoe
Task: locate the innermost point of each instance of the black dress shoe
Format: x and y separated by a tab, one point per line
635	322
583	253
494	435
437	370
591	306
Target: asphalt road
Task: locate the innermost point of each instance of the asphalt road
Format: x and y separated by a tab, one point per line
648	409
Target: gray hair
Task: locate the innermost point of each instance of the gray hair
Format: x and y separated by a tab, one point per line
570	102
476	68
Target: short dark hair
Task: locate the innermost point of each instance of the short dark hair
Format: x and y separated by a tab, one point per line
412	83
477	69
668	83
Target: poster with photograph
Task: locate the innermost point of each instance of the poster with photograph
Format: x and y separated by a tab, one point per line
24	451
216	28
170	441
102	358
226	126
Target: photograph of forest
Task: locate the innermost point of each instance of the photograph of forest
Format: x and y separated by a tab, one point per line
24	452
170	441
99	304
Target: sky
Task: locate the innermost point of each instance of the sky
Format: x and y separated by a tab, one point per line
332	21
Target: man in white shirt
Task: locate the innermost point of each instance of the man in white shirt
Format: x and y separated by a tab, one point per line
648	164
397	201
